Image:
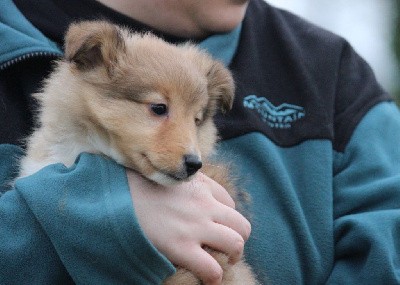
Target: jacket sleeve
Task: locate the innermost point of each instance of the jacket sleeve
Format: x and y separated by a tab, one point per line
367	201
73	225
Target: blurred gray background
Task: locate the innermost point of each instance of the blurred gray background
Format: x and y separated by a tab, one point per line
371	26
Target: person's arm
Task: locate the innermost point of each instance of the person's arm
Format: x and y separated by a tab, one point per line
74	224
188	216
78	224
367	202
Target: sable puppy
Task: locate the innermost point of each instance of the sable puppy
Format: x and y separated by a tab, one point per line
143	102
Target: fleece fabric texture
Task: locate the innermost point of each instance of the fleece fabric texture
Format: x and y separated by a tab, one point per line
314	140
328	229
27	40
76	221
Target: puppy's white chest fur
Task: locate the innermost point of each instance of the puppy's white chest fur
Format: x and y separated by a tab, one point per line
64	149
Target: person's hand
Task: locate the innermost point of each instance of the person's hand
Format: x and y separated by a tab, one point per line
180	220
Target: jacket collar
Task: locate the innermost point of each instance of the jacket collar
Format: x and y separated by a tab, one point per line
19	38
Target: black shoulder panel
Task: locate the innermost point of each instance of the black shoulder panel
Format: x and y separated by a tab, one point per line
17	106
296	81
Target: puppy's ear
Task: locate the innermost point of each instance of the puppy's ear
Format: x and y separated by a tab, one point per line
221	86
91	44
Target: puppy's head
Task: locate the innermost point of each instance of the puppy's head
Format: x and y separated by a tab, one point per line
152	102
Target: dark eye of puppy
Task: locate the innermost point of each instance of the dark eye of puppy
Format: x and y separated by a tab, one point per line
159	109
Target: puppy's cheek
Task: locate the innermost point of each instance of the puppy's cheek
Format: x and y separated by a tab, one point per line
117	155
207	136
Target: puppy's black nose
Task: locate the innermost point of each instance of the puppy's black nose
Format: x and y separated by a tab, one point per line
192	164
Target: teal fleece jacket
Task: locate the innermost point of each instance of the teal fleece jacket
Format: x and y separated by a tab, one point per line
78	222
320	214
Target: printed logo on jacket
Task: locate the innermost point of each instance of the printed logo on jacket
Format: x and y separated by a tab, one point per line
278	117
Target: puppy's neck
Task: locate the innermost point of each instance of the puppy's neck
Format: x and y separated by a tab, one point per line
64	135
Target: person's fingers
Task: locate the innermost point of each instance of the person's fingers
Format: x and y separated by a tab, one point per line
191	215
231	218
204	266
217	191
226	240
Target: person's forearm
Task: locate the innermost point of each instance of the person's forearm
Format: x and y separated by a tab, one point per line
76	222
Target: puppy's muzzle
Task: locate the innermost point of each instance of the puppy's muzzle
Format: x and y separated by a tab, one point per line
192	163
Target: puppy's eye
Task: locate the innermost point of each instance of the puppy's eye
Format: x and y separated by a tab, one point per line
159	109
197	121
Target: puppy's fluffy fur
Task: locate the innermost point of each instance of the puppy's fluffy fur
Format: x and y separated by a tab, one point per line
140	101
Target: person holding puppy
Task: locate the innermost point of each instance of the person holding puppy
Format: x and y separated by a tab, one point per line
312	134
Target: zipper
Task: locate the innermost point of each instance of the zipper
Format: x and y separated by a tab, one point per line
27	56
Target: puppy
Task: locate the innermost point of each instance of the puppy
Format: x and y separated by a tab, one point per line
143	102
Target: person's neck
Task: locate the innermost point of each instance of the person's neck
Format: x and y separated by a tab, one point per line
169	20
